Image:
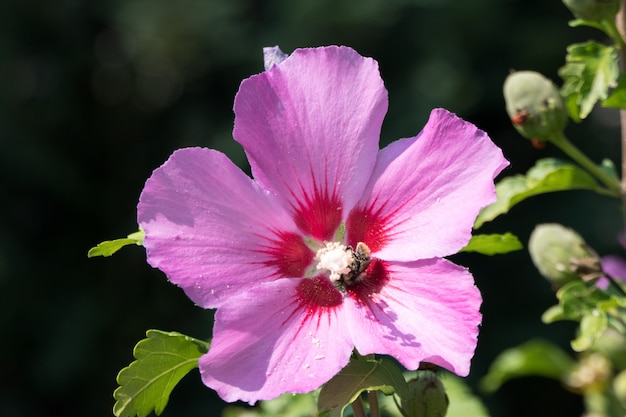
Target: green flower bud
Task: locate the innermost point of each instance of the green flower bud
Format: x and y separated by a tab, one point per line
534	105
428	397
594	10
561	255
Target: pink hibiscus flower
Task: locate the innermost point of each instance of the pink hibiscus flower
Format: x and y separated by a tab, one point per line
334	244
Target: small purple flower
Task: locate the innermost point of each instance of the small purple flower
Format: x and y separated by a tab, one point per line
334	244
614	265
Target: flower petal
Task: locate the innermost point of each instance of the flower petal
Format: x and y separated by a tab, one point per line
310	126
615	266
426	191
213	231
427	311
286	336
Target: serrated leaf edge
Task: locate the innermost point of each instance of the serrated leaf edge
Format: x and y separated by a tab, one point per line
122	403
119	410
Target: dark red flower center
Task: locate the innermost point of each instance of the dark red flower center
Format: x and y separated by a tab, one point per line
319	216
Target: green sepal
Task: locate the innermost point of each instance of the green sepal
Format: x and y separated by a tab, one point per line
552	314
583	22
361	375
109	247
493	244
428	396
162	360
534	358
548	175
591	328
596	310
591	69
463	402
576	298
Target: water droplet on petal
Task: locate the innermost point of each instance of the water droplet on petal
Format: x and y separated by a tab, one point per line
318	357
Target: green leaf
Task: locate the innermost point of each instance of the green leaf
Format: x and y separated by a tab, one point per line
463	403
617	98
109	247
552	314
163	359
533	358
595	309
548	175
591	327
358	376
493	244
287	405
575	299
591	69
583	22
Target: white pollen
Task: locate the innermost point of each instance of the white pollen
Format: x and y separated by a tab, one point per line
335	258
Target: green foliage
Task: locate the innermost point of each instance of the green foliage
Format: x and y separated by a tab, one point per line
533	358
593	10
548	175
591	69
463	402
493	244
109	247
162	360
287	405
576	299
617	98
592	326
595	309
361	375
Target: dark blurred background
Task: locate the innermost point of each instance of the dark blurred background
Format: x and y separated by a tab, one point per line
95	95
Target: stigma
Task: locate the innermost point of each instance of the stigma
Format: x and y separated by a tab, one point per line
345	266
334	258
